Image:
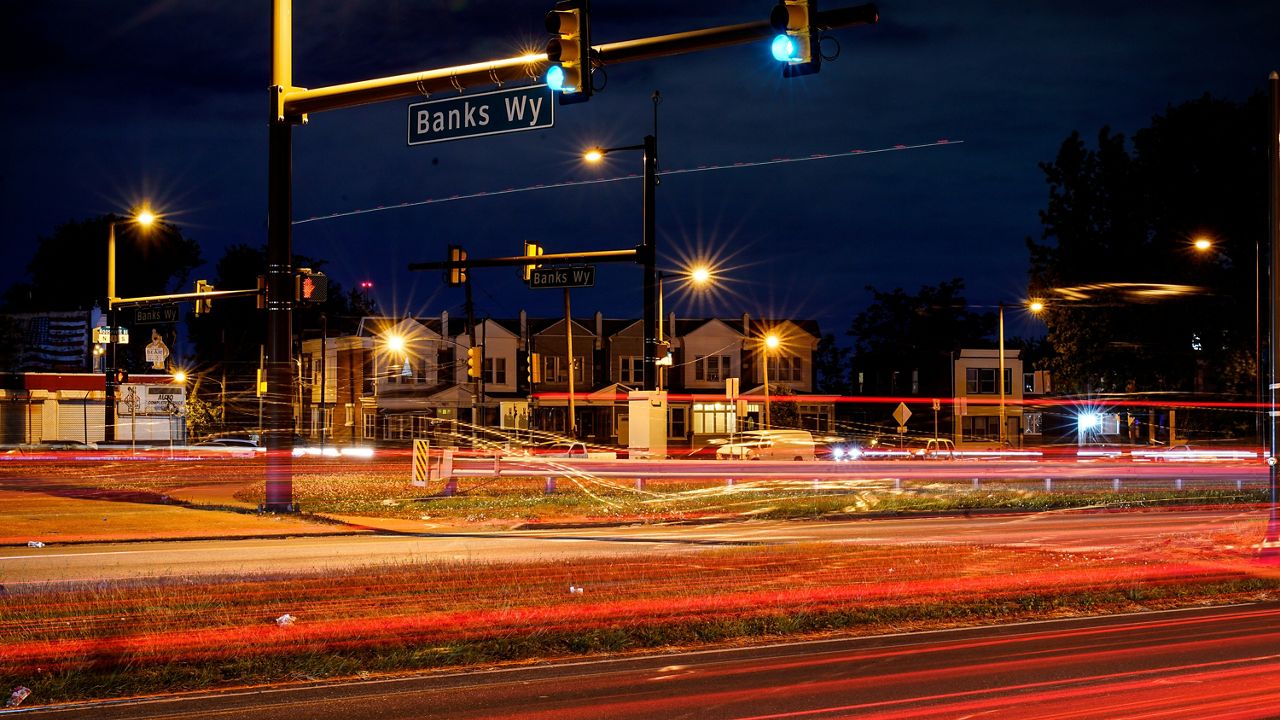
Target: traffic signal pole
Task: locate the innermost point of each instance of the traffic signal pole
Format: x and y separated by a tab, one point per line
649	259
290	106
279	270
1270	548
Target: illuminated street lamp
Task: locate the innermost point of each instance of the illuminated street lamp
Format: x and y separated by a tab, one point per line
143	218
1034	306
1204	245
768	343
699	277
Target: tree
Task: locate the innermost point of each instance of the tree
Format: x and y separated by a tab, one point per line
1118	215
832	365
230	337
902	341
69	268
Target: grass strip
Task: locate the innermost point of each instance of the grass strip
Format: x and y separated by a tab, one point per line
122	639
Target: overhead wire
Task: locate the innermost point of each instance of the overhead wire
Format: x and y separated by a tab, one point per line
601	181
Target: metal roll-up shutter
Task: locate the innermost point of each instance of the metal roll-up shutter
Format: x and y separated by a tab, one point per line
80	420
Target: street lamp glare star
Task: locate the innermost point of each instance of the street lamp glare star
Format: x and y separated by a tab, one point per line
145	217
594	155
1203	244
772	341
395	343
700	275
1035	306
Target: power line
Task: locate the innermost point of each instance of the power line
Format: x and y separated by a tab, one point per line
601	181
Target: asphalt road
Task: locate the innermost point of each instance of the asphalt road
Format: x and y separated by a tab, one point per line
1205	663
25	568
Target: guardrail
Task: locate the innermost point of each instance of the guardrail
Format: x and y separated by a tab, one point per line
447	466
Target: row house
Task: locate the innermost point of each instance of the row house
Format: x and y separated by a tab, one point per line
401	378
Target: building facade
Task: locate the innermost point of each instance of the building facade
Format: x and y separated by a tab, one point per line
402	378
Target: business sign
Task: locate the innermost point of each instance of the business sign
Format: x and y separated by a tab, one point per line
155	315
491	113
576	276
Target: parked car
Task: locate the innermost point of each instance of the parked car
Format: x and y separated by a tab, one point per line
768	445
935	449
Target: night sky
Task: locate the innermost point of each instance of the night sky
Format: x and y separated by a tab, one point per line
110	103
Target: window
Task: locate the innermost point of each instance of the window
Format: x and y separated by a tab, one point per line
711	418
785	368
397	427
1033	423
495	370
982	381
711	368
421	426
630	369
366	360
675	426
555	369
349	414
370	426
1028	383
980	427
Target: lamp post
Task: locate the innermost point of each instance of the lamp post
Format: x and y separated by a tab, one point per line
699	276
1204	244
143	218
648	253
1035	306
768	342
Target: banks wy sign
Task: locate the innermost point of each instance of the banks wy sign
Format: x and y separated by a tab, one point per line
491	113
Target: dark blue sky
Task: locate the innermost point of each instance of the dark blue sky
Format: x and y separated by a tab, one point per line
108	103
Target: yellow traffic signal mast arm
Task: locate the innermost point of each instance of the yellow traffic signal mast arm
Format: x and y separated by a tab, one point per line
154	299
296	102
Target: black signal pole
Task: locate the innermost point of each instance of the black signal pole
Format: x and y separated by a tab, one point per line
649	258
1271	543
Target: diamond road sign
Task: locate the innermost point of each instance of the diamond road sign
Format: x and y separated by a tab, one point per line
491	113
577	276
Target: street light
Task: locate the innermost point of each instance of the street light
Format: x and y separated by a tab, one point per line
647	252
144	218
698	277
1203	245
1034	306
769	342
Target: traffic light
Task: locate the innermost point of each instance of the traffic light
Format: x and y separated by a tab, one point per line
262	293
534	372
530	249
312	286
203	306
456	276
569	52
475	361
797	42
119	376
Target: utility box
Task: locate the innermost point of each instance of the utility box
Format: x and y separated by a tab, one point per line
647	424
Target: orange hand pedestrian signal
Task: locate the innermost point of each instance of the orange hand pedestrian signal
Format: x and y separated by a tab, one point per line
311	286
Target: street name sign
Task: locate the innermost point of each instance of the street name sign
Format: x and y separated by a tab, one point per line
575	276
156	314
491	113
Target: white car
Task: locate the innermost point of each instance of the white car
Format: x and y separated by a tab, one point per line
768	445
